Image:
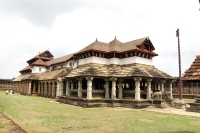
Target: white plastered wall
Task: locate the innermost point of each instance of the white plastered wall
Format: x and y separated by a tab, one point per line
36	69
123	61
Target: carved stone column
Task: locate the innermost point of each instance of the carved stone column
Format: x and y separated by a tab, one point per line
44	89
170	88
34	85
39	93
137	88
29	88
89	87
53	89
67	88
61	88
120	93
72	84
80	87
149	88
158	85
50	89
113	94
162	85
41	86
58	89
107	88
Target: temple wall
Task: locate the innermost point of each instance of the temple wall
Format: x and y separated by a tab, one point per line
5	85
189	88
123	61
35	69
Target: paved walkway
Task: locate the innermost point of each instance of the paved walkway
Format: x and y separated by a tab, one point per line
171	110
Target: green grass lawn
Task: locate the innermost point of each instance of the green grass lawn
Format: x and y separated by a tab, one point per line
37	114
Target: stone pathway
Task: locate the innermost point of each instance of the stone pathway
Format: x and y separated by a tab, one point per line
10	125
171	110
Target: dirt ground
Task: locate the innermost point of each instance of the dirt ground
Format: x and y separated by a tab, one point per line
9	125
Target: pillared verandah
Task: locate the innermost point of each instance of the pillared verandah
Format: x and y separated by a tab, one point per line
101	74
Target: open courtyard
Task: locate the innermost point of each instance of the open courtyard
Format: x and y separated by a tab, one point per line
39	114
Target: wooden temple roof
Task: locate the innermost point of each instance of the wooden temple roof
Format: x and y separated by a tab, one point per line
39	62
132	70
26	68
40	56
99	70
193	73
42	76
59	60
114	45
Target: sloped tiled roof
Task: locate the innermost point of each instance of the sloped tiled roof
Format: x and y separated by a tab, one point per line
193	73
26	68
39	62
134	70
43	76
38	55
114	45
59	60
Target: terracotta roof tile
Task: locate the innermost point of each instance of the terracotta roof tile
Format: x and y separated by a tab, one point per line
118	71
59	60
43	76
39	62
26	68
193	73
114	45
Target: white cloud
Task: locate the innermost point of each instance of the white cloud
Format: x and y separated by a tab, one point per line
68	26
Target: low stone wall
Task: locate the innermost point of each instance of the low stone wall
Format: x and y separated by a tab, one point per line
194	107
185	96
126	103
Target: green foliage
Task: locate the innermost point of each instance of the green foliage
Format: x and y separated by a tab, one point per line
37	114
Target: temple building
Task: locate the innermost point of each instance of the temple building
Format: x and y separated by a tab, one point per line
113	74
190	81
5	84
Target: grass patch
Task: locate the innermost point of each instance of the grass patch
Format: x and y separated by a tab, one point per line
37	114
1	125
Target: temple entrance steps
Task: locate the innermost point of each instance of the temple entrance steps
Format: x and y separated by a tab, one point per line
126	103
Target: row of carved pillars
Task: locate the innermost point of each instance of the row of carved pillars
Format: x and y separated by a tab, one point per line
49	88
158	85
188	87
27	87
5	85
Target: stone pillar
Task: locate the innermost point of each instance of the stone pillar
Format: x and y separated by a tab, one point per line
29	88
42	88
113	94
53	89
170	88
39	93
67	88
34	84
61	87
80	87
107	88
162	85
149	88
120	93
137	88
58	89
72	84
158	85
89	87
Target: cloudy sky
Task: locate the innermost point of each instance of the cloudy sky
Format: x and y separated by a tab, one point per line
28	27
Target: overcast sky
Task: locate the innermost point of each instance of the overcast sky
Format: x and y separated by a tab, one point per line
28	27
